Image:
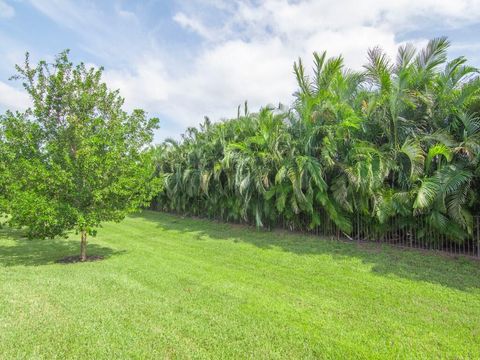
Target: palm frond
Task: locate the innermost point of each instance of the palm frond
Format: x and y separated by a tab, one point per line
434	54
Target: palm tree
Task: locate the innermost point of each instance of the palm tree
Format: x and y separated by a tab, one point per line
399	140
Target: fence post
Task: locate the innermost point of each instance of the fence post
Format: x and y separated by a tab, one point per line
478	236
358	226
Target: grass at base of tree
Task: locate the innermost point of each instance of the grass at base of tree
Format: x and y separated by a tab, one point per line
185	288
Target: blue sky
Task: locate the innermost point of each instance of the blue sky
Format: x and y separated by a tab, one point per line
182	60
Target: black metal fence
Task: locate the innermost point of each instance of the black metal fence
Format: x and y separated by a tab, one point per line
412	233
415	232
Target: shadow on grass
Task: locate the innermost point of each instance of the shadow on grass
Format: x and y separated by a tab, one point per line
454	272
35	252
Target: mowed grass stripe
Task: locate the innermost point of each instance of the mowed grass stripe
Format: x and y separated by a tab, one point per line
187	288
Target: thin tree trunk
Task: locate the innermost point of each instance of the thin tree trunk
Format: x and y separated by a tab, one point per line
83	246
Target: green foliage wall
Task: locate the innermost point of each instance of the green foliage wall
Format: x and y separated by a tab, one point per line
400	139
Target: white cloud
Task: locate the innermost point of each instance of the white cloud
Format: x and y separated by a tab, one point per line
249	55
12	98
225	76
112	33
145	85
6	11
247	48
193	24
125	14
70	14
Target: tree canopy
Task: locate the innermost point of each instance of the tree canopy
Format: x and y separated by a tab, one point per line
74	159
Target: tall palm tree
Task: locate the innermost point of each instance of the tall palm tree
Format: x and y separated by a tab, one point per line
401	139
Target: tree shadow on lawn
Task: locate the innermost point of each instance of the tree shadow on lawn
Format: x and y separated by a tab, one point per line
454	272
35	252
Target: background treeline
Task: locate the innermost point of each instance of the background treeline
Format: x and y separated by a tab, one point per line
398	140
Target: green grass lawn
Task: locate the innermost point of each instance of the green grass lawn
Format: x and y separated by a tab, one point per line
184	288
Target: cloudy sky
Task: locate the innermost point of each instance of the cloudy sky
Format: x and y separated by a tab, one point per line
181	60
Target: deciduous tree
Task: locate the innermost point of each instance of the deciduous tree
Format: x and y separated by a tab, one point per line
75	159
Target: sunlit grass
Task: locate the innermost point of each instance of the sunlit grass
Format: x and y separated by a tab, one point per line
183	288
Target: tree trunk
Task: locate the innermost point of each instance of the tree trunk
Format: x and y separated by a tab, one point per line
83	246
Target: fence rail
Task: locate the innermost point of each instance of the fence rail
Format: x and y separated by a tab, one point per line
417	234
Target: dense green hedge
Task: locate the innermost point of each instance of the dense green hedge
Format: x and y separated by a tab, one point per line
400	139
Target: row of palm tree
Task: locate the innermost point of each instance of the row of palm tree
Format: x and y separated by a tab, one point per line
400	139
